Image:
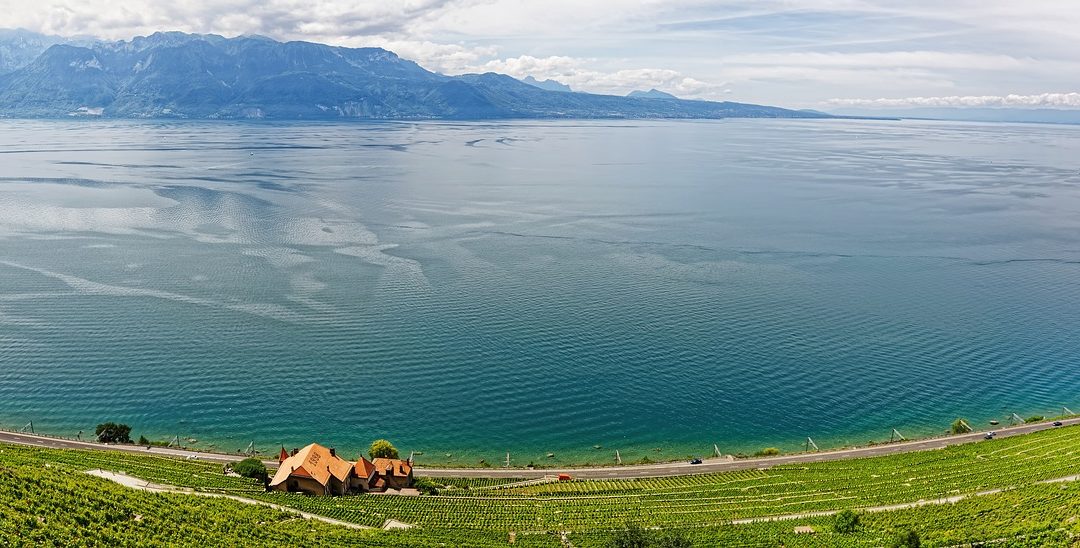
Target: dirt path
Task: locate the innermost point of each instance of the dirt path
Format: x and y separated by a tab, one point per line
143	485
890	507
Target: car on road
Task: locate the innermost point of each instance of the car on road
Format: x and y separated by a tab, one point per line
695	461
1057	423
989	435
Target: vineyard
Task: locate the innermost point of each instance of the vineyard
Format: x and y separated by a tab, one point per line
716	499
42	507
171	471
702	506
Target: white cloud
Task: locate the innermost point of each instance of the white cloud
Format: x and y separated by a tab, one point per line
285	19
788	52
579	75
1041	100
443	58
883	59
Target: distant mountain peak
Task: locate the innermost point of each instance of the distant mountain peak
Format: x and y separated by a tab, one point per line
550	85
19	47
651	94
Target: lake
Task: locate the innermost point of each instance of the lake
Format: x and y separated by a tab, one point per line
576	288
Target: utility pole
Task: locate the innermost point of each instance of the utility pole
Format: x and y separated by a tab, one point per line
716	450
1065	411
508	459
618	457
896	434
29	426
809	443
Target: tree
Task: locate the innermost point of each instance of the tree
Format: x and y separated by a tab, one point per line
382	449
767	452
143	440
110	432
960	426
250	467
636	537
631	537
845	522
906	539
672	539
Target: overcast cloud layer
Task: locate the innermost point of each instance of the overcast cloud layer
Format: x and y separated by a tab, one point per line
810	53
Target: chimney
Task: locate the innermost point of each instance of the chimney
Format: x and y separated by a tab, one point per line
333	452
295	451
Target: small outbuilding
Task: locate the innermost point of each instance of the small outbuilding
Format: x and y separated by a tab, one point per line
363	476
392	474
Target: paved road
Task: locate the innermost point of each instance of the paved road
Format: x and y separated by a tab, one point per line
64	443
724	465
609	472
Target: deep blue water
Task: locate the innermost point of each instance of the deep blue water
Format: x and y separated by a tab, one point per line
469	289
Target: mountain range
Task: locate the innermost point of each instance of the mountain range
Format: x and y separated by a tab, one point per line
179	75
651	94
550	85
974	114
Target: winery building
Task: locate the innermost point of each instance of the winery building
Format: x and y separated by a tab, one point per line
317	470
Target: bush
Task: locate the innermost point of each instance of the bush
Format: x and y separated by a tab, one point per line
143	440
636	537
671	539
425	486
110	432
845	522
1034	418
906	539
767	452
250	467
382	449
959	426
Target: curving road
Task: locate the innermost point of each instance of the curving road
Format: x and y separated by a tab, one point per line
606	472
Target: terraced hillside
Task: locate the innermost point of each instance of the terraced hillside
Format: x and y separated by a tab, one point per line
1005	488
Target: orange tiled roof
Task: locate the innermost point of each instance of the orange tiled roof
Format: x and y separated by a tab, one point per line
364	468
392	467
314	461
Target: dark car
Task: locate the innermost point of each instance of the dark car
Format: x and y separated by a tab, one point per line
695	461
1057	423
989	436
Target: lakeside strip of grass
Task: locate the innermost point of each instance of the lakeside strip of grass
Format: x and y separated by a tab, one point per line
768	457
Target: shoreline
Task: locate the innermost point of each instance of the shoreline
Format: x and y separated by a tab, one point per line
641	454
665	469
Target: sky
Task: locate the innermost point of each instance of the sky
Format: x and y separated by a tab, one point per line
800	54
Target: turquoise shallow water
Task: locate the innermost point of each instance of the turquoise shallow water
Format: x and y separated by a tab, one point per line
472	289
